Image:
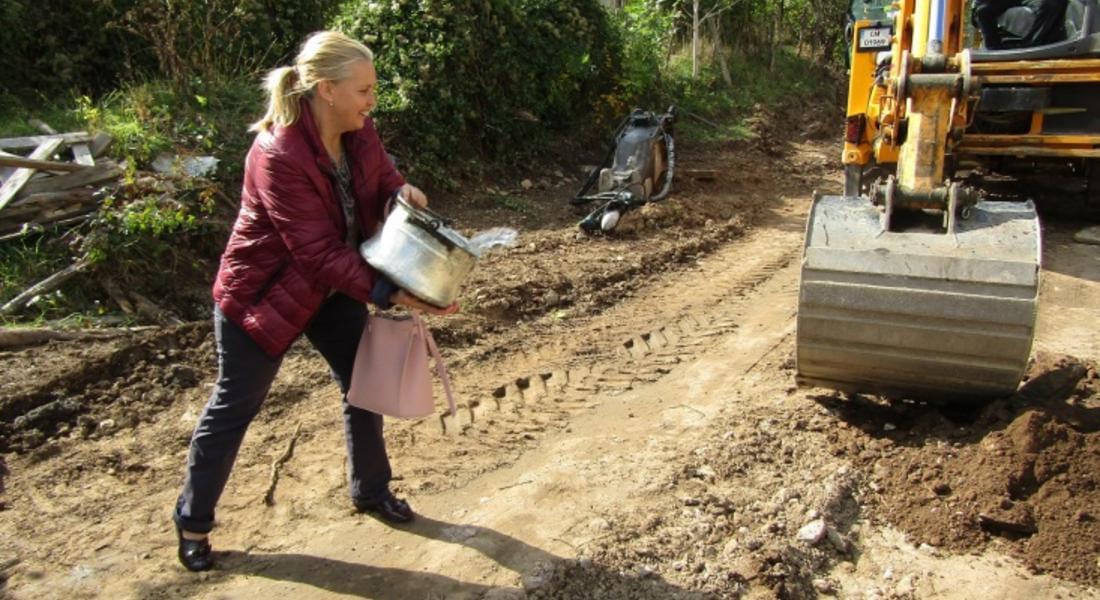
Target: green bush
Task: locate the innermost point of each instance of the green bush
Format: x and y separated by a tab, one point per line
646	34
484	79
148	119
55	46
95	46
155	236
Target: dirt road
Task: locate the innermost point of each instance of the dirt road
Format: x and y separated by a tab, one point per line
630	429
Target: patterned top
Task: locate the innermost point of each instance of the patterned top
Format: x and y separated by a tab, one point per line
341	177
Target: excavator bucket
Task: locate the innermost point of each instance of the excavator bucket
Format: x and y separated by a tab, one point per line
932	316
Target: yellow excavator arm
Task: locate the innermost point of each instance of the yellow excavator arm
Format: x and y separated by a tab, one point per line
912	285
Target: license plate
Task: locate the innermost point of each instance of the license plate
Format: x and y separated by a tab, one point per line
874	38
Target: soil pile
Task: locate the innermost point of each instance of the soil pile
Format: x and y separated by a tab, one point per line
1023	472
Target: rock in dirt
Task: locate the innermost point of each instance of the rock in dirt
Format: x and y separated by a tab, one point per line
1088	235
1018	521
837	540
48	414
813	531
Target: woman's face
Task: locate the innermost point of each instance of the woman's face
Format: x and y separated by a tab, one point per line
354	97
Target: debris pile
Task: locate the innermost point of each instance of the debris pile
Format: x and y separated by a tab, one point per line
60	182
64	189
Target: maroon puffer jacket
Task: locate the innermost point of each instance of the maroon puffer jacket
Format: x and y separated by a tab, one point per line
287	249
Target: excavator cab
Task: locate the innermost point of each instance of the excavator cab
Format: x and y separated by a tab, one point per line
913	284
1076	22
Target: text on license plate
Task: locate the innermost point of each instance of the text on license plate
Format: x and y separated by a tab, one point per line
874	38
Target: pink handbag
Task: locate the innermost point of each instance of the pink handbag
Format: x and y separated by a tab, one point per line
391	375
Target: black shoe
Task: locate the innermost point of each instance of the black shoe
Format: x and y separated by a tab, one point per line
391	508
196	555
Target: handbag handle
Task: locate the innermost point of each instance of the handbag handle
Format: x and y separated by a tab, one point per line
440	368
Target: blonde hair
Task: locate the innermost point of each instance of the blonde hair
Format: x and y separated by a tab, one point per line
325	56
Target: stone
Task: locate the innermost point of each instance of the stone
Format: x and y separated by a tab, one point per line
813	531
533	582
1088	235
836	540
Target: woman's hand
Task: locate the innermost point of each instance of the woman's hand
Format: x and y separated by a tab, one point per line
414	195
409	301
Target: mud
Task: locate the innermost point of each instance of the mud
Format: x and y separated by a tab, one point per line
629	428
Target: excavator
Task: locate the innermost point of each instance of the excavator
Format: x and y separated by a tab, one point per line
913	283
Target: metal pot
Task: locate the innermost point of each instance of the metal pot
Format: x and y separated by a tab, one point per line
419	251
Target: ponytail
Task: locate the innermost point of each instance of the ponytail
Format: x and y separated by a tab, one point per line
283	92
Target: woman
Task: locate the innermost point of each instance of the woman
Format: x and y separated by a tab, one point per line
316	181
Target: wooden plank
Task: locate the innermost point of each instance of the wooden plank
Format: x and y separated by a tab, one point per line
36	203
34	141
5	172
19	337
100	143
14	183
34	227
105	171
82	155
42	165
45	286
41	125
50	217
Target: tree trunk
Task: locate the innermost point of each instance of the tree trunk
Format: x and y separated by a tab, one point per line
695	39
719	52
777	22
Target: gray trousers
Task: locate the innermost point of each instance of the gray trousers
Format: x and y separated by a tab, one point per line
245	373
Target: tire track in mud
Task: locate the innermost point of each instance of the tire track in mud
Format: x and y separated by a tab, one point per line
643	341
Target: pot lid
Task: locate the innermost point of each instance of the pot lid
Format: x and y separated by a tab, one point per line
436	222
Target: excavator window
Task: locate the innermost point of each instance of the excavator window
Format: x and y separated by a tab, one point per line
1011	24
870	10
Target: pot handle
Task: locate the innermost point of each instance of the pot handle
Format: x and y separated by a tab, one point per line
430	218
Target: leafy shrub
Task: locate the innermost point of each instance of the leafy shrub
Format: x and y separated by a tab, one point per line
53	46
470	79
94	46
148	119
199	43
646	34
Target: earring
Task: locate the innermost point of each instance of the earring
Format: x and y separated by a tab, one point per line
331	103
